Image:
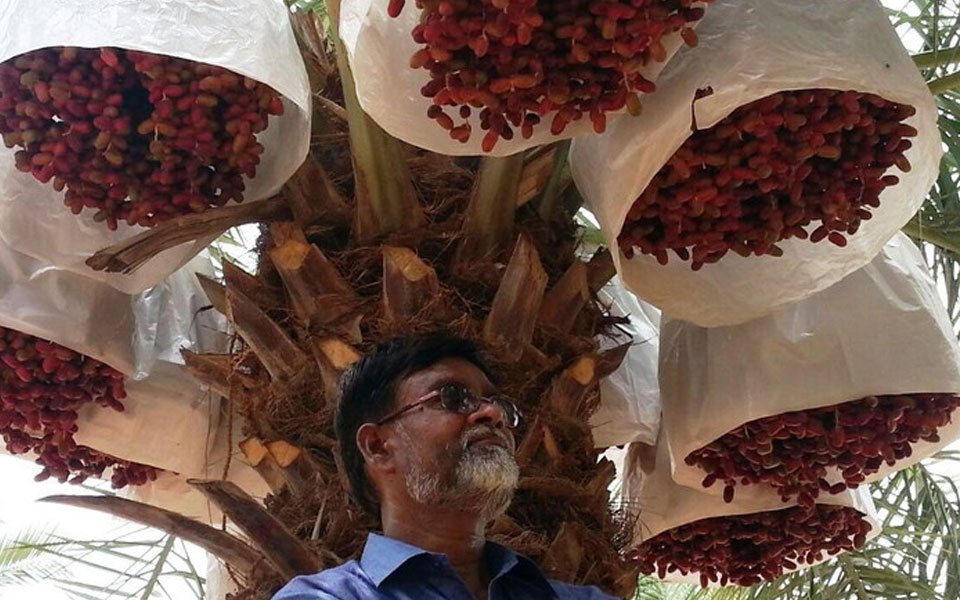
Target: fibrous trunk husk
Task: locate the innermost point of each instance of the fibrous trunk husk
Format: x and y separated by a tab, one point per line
553	374
565	554
563	483
422	255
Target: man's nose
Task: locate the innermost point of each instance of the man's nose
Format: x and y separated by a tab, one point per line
488	414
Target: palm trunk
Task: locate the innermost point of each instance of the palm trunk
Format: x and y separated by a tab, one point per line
339	274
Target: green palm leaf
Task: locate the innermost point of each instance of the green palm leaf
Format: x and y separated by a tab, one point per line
23	561
136	562
931	28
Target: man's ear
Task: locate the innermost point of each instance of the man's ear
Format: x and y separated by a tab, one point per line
376	448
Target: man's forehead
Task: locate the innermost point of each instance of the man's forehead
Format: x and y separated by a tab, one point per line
448	370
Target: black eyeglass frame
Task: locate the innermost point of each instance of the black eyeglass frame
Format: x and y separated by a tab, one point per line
472	403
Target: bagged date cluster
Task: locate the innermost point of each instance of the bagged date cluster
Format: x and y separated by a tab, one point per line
793	452
42	385
137	137
767	172
751	548
520	61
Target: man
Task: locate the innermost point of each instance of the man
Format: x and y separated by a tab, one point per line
427	444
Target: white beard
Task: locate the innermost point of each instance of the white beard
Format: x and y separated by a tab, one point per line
483	480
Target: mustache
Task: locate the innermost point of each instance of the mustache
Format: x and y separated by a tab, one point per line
482	433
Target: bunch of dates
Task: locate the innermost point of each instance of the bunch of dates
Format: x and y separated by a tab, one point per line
135	137
518	62
801	164
753	548
798	453
42	386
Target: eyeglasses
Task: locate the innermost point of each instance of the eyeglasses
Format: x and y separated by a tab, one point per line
458	399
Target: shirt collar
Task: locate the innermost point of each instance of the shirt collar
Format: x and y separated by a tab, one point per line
382	556
502	561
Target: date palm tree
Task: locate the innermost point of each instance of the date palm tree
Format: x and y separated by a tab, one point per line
370	240
373	239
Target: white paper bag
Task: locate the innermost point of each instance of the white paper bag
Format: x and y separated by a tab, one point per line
750	49
129	333
881	330
167	414
661	504
168	422
169	419
630	397
379	49
172	492
249	37
185	319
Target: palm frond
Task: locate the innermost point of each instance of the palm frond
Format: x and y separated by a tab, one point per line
22	560
931	29
135	562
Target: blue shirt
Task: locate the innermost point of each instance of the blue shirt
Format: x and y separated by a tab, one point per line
392	570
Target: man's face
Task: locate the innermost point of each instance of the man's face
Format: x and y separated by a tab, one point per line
450	459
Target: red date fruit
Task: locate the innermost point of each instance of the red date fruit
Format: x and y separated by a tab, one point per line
42	386
793	452
752	548
518	62
135	137
768	172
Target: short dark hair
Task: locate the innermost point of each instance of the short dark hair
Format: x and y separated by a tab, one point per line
367	393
